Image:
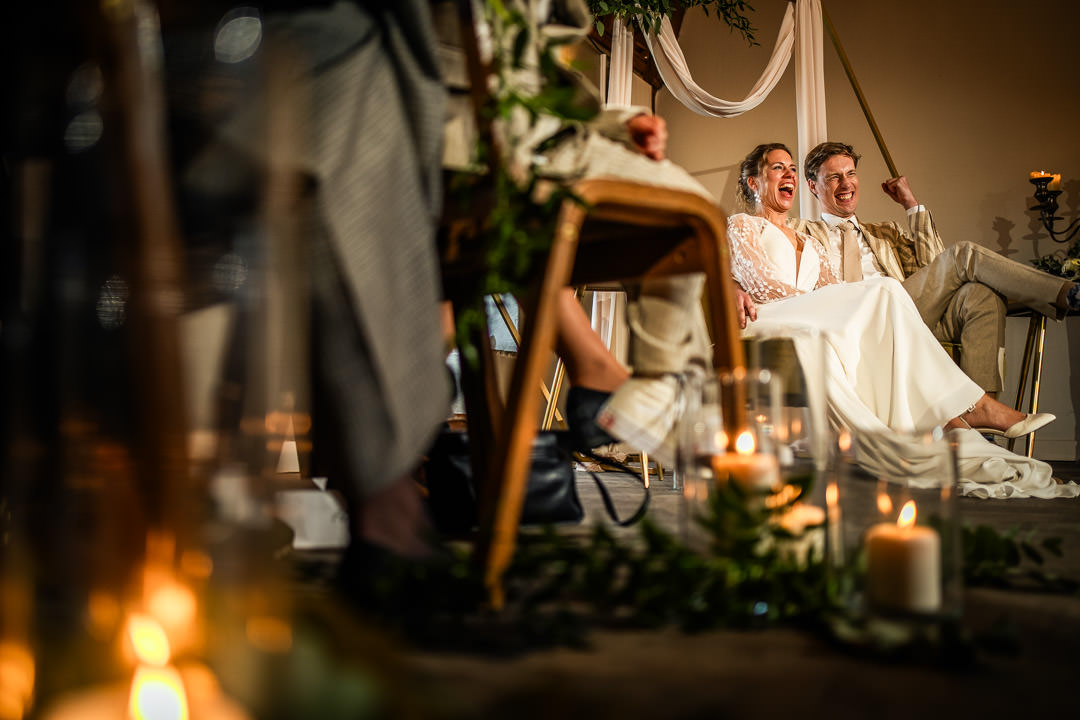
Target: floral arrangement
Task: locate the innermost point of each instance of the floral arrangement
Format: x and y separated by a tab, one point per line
1067	267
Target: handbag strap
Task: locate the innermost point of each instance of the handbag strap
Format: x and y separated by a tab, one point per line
606	496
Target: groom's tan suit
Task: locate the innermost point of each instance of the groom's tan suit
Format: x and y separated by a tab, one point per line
957	290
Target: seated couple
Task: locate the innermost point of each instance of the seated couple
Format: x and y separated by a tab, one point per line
885	367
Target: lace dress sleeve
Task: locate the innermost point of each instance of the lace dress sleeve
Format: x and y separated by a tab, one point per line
750	264
829	274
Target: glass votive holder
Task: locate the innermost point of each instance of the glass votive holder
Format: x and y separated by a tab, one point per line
800	431
726	452
894	528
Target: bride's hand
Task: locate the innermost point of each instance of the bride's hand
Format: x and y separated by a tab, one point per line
745	306
649	134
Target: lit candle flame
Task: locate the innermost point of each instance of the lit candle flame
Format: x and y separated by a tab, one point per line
907	515
884	504
832	494
157	693
844	441
148	640
744	443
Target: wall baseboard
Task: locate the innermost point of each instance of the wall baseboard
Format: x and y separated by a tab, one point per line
1051	450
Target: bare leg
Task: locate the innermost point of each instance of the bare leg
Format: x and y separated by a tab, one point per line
589	363
988	413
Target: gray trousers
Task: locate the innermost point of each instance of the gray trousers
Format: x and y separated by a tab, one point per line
960	297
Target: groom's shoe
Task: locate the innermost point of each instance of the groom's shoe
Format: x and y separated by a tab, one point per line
1029	424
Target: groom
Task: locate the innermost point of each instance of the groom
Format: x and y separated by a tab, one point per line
958	291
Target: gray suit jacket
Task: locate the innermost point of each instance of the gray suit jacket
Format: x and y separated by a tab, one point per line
898	252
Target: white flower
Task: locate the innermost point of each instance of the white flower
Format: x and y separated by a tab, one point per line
1071	268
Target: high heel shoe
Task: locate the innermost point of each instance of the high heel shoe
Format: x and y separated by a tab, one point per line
1029	424
582	407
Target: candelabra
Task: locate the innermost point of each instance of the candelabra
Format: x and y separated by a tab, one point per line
1048	205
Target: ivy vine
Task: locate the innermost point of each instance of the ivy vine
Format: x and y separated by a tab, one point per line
518	226
651	13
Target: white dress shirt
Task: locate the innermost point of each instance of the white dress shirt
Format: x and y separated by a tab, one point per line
870	265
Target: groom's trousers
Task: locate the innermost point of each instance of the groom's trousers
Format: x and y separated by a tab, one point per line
959	296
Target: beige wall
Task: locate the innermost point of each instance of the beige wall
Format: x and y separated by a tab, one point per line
969	95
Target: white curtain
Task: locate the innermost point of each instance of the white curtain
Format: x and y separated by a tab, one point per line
809	91
608	315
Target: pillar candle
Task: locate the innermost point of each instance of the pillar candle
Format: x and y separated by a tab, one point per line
903	565
749	470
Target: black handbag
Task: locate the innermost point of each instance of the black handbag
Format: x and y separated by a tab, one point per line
550	496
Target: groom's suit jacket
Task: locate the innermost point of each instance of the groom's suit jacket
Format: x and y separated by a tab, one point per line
899	253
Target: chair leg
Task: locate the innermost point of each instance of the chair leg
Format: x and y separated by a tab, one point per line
503	490
1025	365
1036	381
551	397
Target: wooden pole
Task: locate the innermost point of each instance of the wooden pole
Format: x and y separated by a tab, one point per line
859	94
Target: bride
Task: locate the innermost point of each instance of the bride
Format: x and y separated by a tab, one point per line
884	368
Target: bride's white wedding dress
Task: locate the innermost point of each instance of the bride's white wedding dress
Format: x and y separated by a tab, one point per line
884	369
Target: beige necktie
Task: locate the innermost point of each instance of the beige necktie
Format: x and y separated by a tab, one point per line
849	249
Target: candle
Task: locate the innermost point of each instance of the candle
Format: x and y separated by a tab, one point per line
1055	182
832	503
748	469
1036	174
903	564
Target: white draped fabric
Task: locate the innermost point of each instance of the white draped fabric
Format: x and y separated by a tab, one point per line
608	315
809	90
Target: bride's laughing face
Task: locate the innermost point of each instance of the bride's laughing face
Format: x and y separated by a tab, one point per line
777	182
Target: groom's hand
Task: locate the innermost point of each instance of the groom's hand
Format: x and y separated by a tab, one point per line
745	306
898	189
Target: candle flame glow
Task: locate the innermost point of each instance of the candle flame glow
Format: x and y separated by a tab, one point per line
173	605
720	439
744	443
832	494
844	441
907	515
884	504
785	496
16	680
157	693
148	640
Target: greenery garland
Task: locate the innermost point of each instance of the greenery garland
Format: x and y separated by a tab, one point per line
651	13
750	574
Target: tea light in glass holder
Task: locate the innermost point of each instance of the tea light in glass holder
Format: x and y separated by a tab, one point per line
750	470
903	564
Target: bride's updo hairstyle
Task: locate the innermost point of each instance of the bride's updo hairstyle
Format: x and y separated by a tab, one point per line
752	167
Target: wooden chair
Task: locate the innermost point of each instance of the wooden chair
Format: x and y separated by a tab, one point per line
625	231
628	231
